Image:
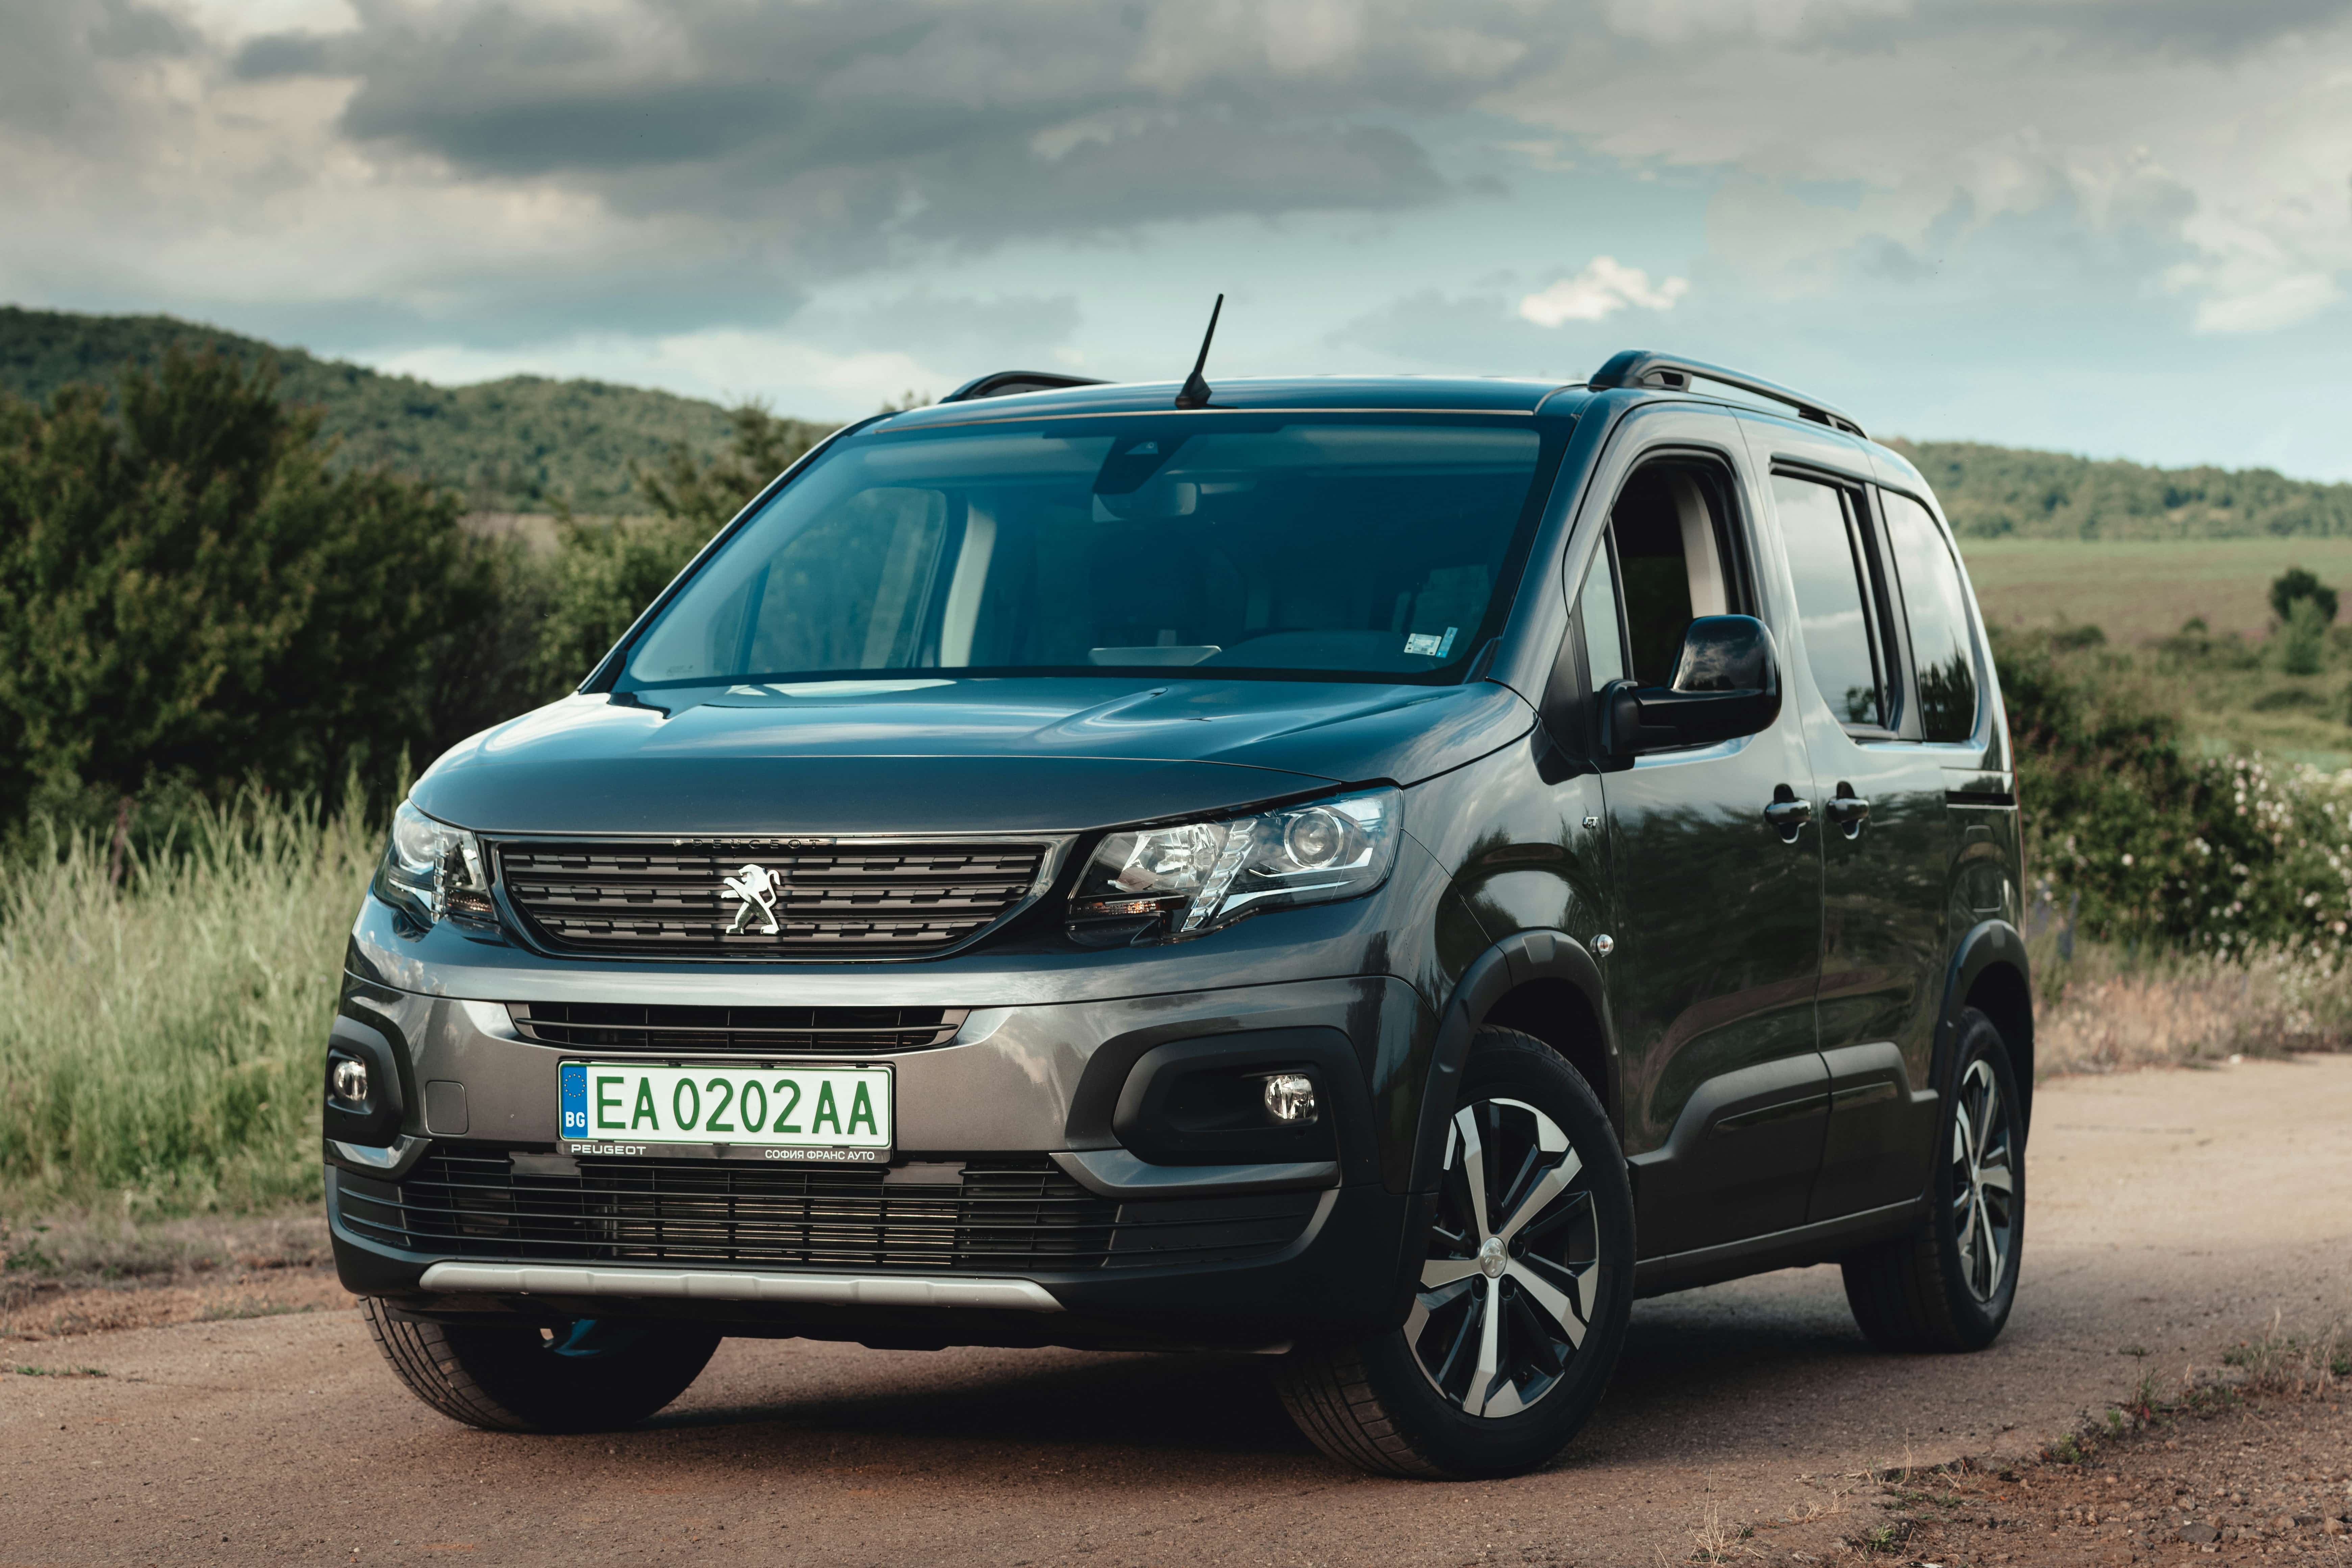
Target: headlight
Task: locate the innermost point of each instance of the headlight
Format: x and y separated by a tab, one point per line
431	869
1196	877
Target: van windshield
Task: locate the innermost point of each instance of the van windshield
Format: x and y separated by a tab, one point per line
1363	547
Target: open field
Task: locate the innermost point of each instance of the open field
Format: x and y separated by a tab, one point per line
2174	1212
2233	698
2138	590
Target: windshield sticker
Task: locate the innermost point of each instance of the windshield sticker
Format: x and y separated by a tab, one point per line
1430	642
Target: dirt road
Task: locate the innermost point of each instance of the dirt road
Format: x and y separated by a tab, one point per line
2172	1212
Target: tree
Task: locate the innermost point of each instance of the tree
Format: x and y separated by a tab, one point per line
2294	584
2303	642
761	446
608	572
187	591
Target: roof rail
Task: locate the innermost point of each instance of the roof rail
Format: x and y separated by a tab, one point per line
1644	368
1005	383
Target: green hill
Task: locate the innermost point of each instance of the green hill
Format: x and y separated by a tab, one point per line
521	444
526	443
1993	492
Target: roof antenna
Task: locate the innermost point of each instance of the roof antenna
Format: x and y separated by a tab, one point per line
1196	391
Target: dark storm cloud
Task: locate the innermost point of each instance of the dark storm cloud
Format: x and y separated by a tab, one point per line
2202	30
52	59
948	122
846	123
652	165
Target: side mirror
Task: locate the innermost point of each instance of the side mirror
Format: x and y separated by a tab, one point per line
1726	684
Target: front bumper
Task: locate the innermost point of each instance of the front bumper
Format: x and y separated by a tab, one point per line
477	1209
1340	1274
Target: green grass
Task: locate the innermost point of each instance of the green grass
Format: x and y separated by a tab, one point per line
22	1370
161	1040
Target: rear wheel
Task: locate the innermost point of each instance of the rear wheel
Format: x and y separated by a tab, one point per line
591	1374
1949	1285
1524	1286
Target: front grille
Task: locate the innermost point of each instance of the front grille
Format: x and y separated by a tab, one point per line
1018	1214
840	899
752	1031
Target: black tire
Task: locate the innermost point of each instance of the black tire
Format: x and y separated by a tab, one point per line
1370	1404
593	1375
1933	1290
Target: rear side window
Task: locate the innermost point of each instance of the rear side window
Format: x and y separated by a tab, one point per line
1821	527
1936	604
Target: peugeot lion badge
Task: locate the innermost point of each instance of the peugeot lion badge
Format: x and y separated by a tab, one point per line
758	889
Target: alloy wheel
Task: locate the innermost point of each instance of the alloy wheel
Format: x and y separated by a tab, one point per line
1984	1187
1507	1292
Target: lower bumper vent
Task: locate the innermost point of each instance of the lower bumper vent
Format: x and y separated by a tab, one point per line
1019	1214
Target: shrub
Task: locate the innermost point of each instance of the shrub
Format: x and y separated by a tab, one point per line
186	590
604	573
2293	586
2302	641
2219	854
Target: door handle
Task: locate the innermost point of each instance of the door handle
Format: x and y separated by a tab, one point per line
1787	815
1849	811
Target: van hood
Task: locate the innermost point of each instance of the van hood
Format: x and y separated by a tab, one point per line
974	756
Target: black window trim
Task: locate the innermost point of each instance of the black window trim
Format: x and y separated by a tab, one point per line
1736	539
1978	652
1887	632
1733	533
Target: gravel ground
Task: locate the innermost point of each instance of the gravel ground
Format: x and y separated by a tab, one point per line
79	1274
2250	1479
2174	1213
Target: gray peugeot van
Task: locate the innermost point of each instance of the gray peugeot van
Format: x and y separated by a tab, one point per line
1382	873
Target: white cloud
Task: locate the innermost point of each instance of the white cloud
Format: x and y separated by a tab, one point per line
241	19
2269	303
1600	290
1846	124
724	364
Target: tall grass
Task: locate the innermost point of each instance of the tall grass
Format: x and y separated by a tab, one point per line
164	1015
2105	1008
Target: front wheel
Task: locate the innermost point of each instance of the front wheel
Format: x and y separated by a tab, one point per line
1526	1284
588	1376
1949	1285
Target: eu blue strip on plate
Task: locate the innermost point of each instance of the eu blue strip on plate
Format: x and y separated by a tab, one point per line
575	1100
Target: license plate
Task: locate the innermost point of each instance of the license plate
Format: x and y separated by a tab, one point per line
836	1114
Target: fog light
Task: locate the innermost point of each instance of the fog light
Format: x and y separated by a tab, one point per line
350	1081
1290	1096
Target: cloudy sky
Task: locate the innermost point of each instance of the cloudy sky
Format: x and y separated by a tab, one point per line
2123	227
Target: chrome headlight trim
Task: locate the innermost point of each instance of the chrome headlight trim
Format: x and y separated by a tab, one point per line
1188	879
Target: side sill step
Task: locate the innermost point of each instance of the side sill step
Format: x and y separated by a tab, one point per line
806	1290
1803	1244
